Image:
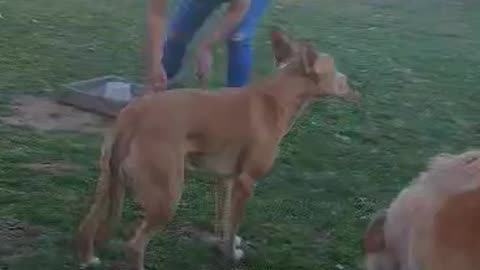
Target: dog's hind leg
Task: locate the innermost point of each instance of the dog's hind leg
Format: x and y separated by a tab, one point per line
157	190
87	231
104	211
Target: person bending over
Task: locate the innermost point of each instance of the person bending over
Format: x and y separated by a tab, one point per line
236	28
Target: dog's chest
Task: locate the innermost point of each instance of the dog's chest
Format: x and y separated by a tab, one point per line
223	163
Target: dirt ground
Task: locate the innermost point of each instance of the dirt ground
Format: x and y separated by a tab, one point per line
52	168
45	114
17	239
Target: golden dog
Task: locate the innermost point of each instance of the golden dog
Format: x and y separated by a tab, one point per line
434	224
233	134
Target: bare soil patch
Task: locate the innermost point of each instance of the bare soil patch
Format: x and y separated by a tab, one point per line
53	168
44	114
17	239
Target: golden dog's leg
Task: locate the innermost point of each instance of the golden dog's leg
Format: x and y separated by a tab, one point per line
241	193
86	237
158	205
227	206
135	251
219	203
242	190
157	189
227	235
230	206
88	230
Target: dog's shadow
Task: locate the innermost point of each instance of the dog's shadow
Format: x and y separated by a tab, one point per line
202	234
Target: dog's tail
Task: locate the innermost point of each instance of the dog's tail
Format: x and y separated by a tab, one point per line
107	205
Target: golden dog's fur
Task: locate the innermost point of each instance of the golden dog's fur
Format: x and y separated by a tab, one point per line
233	134
434	224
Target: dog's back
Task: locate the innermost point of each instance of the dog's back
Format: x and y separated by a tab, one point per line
433	224
189	113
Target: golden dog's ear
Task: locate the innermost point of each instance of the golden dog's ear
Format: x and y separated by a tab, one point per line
316	64
282	47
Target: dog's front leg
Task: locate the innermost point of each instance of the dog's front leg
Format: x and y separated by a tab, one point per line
220	192
234	195
227	241
225	226
219	207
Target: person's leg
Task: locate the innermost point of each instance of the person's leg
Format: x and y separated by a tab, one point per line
188	16
240	50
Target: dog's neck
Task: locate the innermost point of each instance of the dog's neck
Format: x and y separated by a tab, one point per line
286	96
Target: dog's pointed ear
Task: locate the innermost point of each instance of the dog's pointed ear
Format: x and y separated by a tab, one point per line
315	64
282	47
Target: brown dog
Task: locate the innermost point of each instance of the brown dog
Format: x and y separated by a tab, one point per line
434	224
233	134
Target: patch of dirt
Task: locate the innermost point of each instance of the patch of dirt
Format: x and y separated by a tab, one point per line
45	114
198	233
17	239
322	236
53	168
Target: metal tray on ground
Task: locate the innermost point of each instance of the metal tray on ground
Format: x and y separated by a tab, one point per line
104	95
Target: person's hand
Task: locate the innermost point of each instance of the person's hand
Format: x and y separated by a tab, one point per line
156	80
203	64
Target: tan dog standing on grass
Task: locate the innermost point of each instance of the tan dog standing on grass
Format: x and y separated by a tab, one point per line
434	224
233	134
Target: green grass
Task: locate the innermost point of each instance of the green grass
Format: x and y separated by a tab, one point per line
415	62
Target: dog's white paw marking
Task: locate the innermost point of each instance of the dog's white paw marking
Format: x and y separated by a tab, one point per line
238	254
237	242
94	261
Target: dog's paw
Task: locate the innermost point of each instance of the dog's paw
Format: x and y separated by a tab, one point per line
92	262
238	254
237	242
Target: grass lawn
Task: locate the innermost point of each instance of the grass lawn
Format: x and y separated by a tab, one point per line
416	63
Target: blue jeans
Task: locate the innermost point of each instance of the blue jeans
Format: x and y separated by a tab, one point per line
189	17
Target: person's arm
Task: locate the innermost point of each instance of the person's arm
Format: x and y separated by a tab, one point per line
234	15
156	79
